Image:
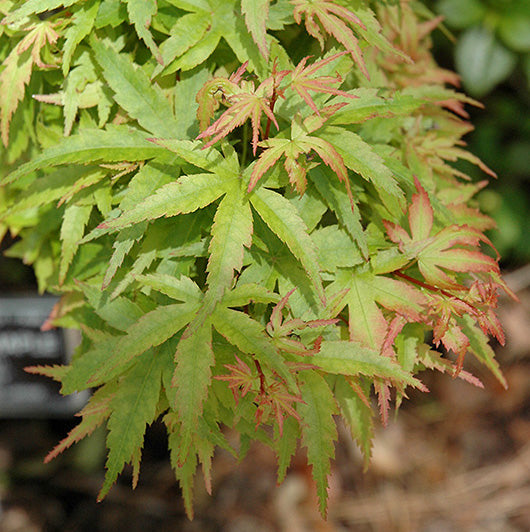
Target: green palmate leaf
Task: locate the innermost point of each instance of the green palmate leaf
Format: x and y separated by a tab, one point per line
249	336
338	201
283	220
140	13
82	24
150	330
187	194
278	267
195	249
150	177
361	158
194	358
185	472
369	104
335	248
403	298
80	373
246	293
111	14
196	6
55	371
144	260
236	34
205	451
81	91
96	412
33	7
142	100
286	444
123	244
75	219
185	104
49	189
209	158
353	359
222	23
358	415
119	313
231	233
133	408
319	432
114	144
188	31
311	207
367	323
199	52
182	289
256	13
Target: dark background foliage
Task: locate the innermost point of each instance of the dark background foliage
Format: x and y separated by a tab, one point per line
492	54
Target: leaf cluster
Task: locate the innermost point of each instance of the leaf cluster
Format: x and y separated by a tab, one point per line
245	237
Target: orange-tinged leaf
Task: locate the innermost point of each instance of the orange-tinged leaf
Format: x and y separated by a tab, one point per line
455	340
420	214
301	143
401	297
240	380
466	260
331	157
450	249
210	95
275	148
382	389
334	20
396	233
301	81
55	371
18	66
13	81
245	105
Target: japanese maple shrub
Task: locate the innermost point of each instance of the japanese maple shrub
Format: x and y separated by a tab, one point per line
250	211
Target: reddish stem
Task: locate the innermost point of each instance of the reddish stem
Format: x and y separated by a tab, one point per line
261	378
430	287
421	283
274	97
271	106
